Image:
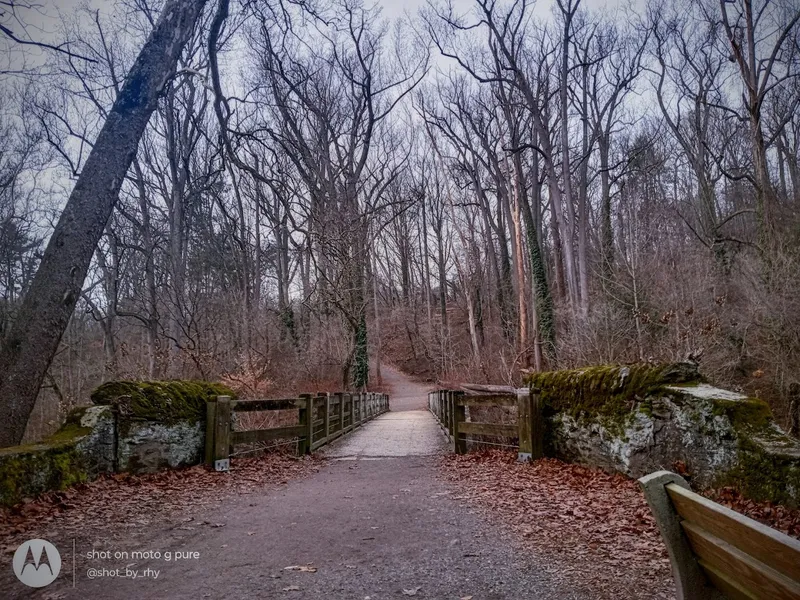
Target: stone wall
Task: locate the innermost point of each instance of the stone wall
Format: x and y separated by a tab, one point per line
639	419
81	450
135	427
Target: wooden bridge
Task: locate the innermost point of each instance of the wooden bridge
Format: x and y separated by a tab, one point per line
320	420
519	413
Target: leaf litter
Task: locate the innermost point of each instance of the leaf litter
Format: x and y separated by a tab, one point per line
135	504
596	525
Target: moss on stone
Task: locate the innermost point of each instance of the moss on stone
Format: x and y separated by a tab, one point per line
763	471
746	416
761	475
71	430
609	392
164	401
766	461
27	471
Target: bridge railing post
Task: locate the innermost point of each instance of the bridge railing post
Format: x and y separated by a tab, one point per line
530	424
306	418
459	416
351	418
340	412
211	419
450	413
326	417
222	430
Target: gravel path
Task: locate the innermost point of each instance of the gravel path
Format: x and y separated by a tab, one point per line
375	522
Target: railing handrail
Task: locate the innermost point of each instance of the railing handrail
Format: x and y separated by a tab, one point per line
449	408
353	408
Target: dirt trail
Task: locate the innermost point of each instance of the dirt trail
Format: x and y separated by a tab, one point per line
366	526
405	392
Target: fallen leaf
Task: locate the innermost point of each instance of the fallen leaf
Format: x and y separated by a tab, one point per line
292	588
301	568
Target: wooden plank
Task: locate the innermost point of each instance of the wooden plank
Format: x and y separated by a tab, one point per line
265	435
723	583
307	423
263	405
488	429
488	400
524	425
763	543
480	387
211	420
326	416
537	425
222	428
740	568
460	438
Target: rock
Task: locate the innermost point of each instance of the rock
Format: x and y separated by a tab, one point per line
134	426
640	419
82	449
148	447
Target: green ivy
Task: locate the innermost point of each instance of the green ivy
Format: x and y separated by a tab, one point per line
361	356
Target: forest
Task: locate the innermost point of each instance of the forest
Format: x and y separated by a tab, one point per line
279	194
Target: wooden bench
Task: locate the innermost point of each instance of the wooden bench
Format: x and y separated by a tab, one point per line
716	552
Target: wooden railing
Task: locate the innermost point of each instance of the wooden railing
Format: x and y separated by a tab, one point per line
450	409
321	419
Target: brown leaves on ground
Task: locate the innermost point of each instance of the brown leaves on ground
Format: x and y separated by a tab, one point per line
786	520
596	526
125	502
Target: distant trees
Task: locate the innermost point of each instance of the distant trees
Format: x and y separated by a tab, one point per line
559	188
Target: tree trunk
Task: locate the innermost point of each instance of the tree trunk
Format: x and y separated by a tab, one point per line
50	302
606	230
149	275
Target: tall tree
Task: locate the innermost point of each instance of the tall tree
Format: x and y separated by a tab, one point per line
48	306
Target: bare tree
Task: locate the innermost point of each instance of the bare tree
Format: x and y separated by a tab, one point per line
33	340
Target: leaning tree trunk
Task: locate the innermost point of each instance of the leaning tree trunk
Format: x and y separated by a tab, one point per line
50	301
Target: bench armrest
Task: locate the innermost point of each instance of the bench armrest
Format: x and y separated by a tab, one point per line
690	584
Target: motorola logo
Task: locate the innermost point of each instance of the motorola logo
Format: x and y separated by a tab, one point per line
37	563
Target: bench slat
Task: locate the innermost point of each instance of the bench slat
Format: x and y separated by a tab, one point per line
763	543
740	568
722	582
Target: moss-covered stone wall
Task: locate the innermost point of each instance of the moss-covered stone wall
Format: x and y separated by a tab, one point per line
608	389
165	402
636	419
76	453
135	426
